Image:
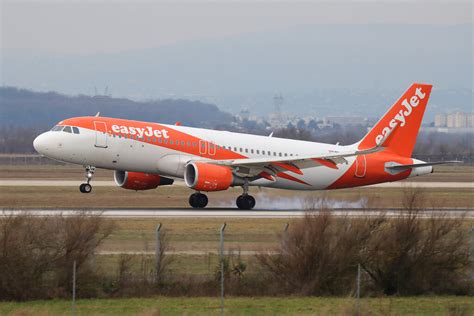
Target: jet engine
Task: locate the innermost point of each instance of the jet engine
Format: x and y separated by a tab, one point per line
139	180
208	177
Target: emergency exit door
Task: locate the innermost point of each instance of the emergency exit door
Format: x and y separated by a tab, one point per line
361	166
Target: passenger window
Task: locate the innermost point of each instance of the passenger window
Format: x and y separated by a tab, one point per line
75	130
246	150
240	149
286	154
274	153
251	151
279	154
67	129
258	152
182	143
235	148
171	142
194	144
188	144
160	140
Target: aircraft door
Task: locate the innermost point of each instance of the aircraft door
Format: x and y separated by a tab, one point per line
207	148
361	166
100	134
202	147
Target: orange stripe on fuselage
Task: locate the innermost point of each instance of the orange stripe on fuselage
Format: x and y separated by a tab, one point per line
181	140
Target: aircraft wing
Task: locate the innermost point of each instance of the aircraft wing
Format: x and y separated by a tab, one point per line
268	167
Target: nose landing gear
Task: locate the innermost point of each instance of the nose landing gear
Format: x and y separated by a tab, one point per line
198	200
86	187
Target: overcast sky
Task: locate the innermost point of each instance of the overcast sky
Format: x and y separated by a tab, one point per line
90	27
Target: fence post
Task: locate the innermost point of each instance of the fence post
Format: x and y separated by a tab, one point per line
158	253
471	254
358	289
74	288
285	237
221	255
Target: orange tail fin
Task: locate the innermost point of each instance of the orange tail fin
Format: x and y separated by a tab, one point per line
408	113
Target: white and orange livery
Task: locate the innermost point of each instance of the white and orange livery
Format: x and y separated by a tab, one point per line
145	155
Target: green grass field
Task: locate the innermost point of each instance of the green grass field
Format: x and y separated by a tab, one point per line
247	306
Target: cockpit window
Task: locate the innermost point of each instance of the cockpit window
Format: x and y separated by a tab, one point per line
57	128
75	130
67	129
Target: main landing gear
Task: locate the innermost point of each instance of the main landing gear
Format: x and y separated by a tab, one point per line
245	201
86	187
198	200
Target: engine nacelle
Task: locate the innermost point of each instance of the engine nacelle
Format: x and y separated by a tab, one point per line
139	180
202	176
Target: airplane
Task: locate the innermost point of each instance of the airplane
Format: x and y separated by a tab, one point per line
145	155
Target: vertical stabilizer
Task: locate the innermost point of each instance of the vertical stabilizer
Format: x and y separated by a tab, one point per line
405	115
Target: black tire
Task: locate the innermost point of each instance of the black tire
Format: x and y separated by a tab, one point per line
252	202
239	201
193	200
245	202
198	200
81	188
87	188
202	200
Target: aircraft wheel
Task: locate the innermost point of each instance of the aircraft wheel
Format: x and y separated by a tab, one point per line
85	188
198	200
245	202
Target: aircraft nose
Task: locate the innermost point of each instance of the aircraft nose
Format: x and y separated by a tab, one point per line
40	143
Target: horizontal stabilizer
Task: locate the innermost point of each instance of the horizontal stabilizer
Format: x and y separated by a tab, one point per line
416	165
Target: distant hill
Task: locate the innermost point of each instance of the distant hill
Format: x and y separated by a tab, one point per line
323	69
19	107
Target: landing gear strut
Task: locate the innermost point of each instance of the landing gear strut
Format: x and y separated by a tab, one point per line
86	187
245	201
198	200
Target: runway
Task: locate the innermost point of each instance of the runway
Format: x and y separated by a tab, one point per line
235	213
102	183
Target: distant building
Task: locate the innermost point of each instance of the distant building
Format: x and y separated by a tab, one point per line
440	120
470	120
450	120
455	122
460	120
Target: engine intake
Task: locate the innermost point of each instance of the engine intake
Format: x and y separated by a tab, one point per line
207	177
139	180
